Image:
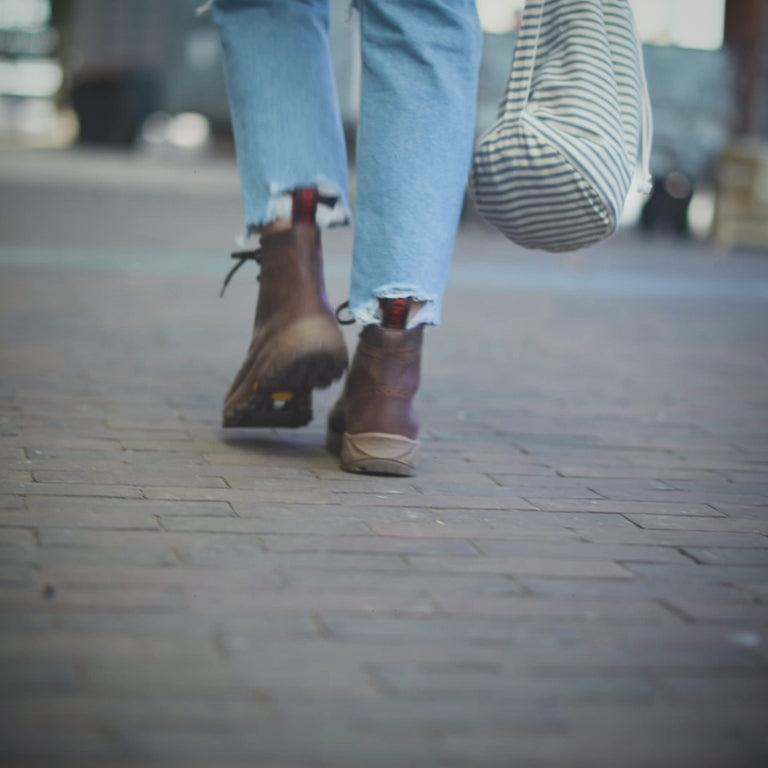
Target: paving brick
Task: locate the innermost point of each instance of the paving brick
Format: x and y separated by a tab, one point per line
723	460
674	537
584	609
431	501
394	582
562	489
79	518
724	574
163	674
137	622
47	440
703	524
256	485
185	445
447	679
470	529
476	487
695	497
642	472
159	554
537	520
300	526
302	512
139	539
37	739
74	489
425	630
741	511
66	505
549	586
751	688
722	612
148	575
17	574
586	568
16	537
728	555
461	709
289	563
222	602
723	487
127	476
236	495
638	735
98	597
493	464
744	477
580	550
21	671
243	465
133	705
14	476
395	545
624	507
590	455
11	502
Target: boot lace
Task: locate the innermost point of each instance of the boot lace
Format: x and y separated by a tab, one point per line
242	257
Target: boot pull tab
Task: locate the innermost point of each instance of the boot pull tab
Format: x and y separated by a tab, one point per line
394	313
304	205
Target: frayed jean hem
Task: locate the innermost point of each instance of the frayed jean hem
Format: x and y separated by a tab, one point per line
332	207
368	311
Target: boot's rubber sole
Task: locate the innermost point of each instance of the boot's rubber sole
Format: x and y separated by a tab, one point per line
286	401
275	389
376	453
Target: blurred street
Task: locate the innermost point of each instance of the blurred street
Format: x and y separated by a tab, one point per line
577	577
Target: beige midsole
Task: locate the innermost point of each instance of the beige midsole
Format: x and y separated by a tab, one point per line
379	445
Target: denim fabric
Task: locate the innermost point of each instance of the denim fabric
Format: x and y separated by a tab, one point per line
417	117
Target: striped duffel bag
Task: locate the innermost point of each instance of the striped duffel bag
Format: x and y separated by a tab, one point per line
554	170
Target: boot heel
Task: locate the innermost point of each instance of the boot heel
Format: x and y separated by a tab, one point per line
379	453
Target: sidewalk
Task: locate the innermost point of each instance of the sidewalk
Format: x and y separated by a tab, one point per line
578	576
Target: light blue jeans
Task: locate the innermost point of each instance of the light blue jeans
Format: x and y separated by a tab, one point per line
417	119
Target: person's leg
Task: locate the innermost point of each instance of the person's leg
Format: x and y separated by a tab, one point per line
417	124
292	160
284	107
420	68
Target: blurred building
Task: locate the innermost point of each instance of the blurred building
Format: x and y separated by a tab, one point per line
118	72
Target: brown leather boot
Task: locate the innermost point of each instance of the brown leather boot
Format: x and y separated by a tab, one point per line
372	427
296	345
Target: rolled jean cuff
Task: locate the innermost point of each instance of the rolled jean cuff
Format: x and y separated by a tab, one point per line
368	311
332	208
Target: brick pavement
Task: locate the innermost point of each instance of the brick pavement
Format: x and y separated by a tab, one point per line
577	577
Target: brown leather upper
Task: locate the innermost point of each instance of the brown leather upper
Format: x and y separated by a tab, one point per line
381	382
291	279
291	294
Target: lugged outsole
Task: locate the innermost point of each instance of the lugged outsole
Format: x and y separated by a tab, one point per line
315	371
378	453
273	387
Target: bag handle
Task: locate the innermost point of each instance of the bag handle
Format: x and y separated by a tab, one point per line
524	59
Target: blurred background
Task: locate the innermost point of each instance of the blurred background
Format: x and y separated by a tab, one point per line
144	78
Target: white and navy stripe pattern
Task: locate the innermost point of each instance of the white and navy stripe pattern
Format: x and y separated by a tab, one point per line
554	171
